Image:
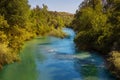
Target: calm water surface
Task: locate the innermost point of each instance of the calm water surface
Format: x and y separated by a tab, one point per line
50	58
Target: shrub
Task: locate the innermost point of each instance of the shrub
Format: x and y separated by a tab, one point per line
6	56
114	61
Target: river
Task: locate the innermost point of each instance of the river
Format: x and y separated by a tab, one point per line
51	58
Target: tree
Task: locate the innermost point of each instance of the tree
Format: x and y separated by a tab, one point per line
115	21
16	12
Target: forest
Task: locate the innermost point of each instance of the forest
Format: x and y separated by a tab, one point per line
97	25
18	24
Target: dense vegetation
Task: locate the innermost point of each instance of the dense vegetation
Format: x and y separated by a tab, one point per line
97	25
19	23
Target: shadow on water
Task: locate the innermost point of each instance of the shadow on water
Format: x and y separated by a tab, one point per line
88	71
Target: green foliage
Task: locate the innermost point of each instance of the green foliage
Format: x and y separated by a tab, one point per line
3	23
3	37
86	39
114	63
19	23
60	19
5	55
91	29
15	11
57	33
44	20
97	26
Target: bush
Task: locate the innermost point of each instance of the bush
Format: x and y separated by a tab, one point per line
6	56
57	33
114	63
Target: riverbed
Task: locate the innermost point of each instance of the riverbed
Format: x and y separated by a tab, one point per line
51	58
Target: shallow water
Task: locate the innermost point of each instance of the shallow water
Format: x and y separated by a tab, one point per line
50	58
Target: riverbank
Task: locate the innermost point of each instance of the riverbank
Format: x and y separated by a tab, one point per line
53	58
97	27
112	61
18	24
11	54
57	33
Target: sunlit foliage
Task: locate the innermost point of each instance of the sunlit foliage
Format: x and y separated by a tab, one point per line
19	23
97	24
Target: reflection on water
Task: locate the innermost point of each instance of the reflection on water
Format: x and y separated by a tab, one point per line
50	58
87	70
